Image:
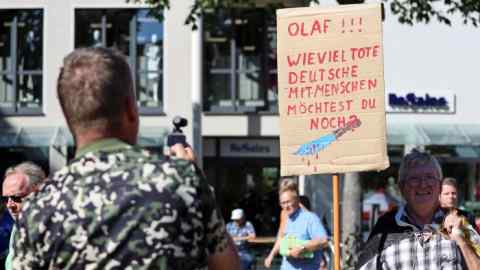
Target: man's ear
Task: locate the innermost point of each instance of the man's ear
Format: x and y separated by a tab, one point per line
131	109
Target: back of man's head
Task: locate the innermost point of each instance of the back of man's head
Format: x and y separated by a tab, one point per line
92	87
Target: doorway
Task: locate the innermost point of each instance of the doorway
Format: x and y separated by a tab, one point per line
250	184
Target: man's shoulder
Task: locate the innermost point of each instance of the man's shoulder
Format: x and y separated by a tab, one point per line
468	215
132	161
106	175
388	218
310	215
387	224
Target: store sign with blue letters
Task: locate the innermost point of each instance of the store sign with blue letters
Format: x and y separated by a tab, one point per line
249	148
420	102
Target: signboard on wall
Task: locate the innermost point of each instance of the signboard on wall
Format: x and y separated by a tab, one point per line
420	102
242	148
331	89
249	148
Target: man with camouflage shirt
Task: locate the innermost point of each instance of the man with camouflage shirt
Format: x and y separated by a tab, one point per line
116	206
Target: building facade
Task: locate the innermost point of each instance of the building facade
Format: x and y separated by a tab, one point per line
222	78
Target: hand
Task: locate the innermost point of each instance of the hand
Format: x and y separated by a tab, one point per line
268	261
453	224
296	252
182	152
238	238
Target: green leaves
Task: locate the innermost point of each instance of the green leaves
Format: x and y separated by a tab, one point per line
408	11
423	11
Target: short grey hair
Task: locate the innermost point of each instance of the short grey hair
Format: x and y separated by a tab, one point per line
35	174
450	181
417	158
288	184
10	170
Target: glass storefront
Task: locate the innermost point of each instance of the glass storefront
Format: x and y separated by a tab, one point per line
250	184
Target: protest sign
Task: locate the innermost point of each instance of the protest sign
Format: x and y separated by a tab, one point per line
331	89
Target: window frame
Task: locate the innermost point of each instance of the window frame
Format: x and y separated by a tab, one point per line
14	72
132	50
233	71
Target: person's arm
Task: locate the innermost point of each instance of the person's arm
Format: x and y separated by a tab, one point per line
226	258
274	251
221	251
244	238
311	246
250	233
24	255
276	247
471	259
317	234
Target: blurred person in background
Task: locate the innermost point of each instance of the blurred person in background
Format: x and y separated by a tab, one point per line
449	198
241	232
300	225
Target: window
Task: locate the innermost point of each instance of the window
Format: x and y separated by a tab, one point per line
21	61
139	36
240	61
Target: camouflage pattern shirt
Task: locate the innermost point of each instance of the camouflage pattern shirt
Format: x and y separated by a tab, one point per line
120	207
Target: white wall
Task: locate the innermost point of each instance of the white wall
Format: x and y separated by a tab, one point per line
59	41
434	57
431	57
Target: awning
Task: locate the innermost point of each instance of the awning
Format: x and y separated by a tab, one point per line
61	136
433	134
464	151
397	134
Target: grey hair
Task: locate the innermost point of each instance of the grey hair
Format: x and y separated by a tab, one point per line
414	159
288	184
10	170
450	181
35	174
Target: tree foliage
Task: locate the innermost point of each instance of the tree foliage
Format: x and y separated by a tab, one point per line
408	11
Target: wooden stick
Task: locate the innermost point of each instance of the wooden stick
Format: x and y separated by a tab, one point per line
336	219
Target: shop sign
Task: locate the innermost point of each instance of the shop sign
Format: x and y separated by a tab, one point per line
249	148
420	102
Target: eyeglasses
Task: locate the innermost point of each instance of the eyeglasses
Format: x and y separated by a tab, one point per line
15	199
428	179
285	203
